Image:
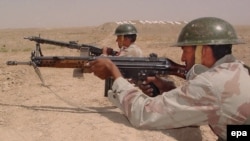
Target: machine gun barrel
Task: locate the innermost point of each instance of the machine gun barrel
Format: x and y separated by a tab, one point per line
18	63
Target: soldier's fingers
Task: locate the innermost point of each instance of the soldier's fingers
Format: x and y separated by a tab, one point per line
91	63
150	79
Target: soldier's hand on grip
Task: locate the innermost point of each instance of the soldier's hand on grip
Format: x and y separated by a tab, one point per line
154	86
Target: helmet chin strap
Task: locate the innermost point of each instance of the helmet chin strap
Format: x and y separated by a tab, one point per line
198	54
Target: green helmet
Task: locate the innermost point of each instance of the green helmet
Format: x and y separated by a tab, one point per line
207	31
125	29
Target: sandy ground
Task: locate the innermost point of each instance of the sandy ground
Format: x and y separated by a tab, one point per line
74	109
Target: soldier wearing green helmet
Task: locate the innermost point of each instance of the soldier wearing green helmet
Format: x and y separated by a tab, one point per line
126	36
216	91
216	33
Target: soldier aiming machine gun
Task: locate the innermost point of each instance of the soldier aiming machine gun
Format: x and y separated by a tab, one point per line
135	68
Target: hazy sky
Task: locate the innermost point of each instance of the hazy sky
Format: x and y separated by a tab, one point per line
68	13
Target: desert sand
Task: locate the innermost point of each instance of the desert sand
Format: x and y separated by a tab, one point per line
74	108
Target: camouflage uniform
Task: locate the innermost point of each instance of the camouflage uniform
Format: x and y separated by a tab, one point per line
131	51
217	96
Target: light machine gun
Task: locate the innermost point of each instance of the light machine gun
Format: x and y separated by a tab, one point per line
92	50
135	68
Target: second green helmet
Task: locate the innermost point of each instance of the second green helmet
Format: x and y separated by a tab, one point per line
125	29
207	31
